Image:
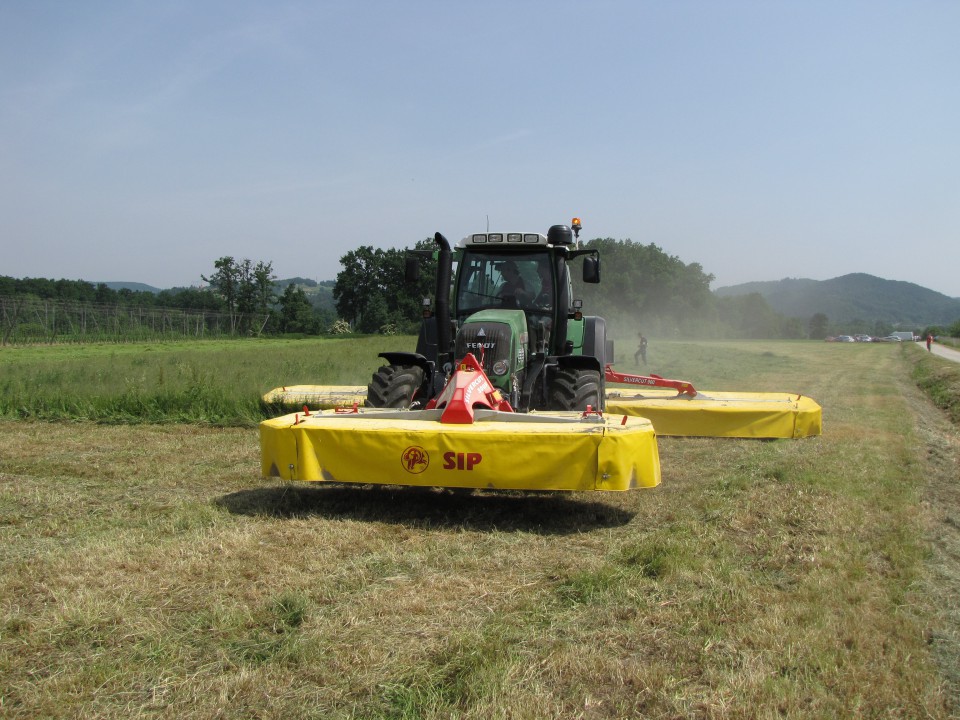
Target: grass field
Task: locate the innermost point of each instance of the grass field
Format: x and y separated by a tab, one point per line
148	571
217	382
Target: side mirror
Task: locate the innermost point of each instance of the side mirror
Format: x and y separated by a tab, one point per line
411	269
591	269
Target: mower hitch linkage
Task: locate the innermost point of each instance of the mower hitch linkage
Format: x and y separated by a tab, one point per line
681	386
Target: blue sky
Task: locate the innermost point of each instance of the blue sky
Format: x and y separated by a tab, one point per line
141	141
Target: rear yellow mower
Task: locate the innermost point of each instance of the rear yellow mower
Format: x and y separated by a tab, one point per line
722	414
675	410
316	397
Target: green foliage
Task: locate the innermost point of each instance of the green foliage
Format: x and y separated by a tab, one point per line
239	301
218	382
643	287
26	319
80	291
939	379
296	312
817	327
247	290
371	292
643	281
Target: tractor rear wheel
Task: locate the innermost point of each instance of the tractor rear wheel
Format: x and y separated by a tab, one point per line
393	386
574	389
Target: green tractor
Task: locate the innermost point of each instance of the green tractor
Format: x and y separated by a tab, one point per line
512	307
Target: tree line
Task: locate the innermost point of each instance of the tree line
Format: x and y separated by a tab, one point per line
241	298
643	289
102	294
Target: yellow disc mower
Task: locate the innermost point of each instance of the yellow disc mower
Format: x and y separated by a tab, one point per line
467	437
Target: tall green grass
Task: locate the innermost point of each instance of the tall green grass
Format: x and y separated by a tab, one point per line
222	382
215	382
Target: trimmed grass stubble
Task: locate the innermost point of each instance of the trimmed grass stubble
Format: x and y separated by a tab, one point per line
150	571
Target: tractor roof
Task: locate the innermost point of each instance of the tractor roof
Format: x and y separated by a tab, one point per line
558	235
504	239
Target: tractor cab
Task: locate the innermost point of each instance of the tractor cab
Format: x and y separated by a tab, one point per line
525	282
513	302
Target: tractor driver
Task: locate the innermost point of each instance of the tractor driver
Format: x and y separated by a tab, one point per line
513	286
544	298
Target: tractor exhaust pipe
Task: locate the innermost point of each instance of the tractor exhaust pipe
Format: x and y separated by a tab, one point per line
444	275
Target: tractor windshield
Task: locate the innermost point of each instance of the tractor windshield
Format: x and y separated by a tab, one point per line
505	280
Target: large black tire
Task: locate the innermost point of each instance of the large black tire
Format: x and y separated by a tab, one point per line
574	389
393	386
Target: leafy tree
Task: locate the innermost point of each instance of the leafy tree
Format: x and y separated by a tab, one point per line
246	289
357	284
371	293
296	312
191	299
225	281
104	294
377	314
817	328
262	278
790	327
644	285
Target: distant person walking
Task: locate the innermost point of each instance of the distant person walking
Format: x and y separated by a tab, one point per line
641	352
929	341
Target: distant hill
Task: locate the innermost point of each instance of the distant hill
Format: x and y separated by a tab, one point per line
857	296
302	282
320	294
134	286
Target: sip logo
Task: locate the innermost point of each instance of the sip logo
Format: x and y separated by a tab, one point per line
415	459
461	461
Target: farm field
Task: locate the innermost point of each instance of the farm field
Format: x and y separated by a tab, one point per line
218	382
146	570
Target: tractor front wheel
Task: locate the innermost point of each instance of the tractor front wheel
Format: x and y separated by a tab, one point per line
394	386
574	389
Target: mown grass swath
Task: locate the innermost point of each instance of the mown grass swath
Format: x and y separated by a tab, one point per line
149	571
